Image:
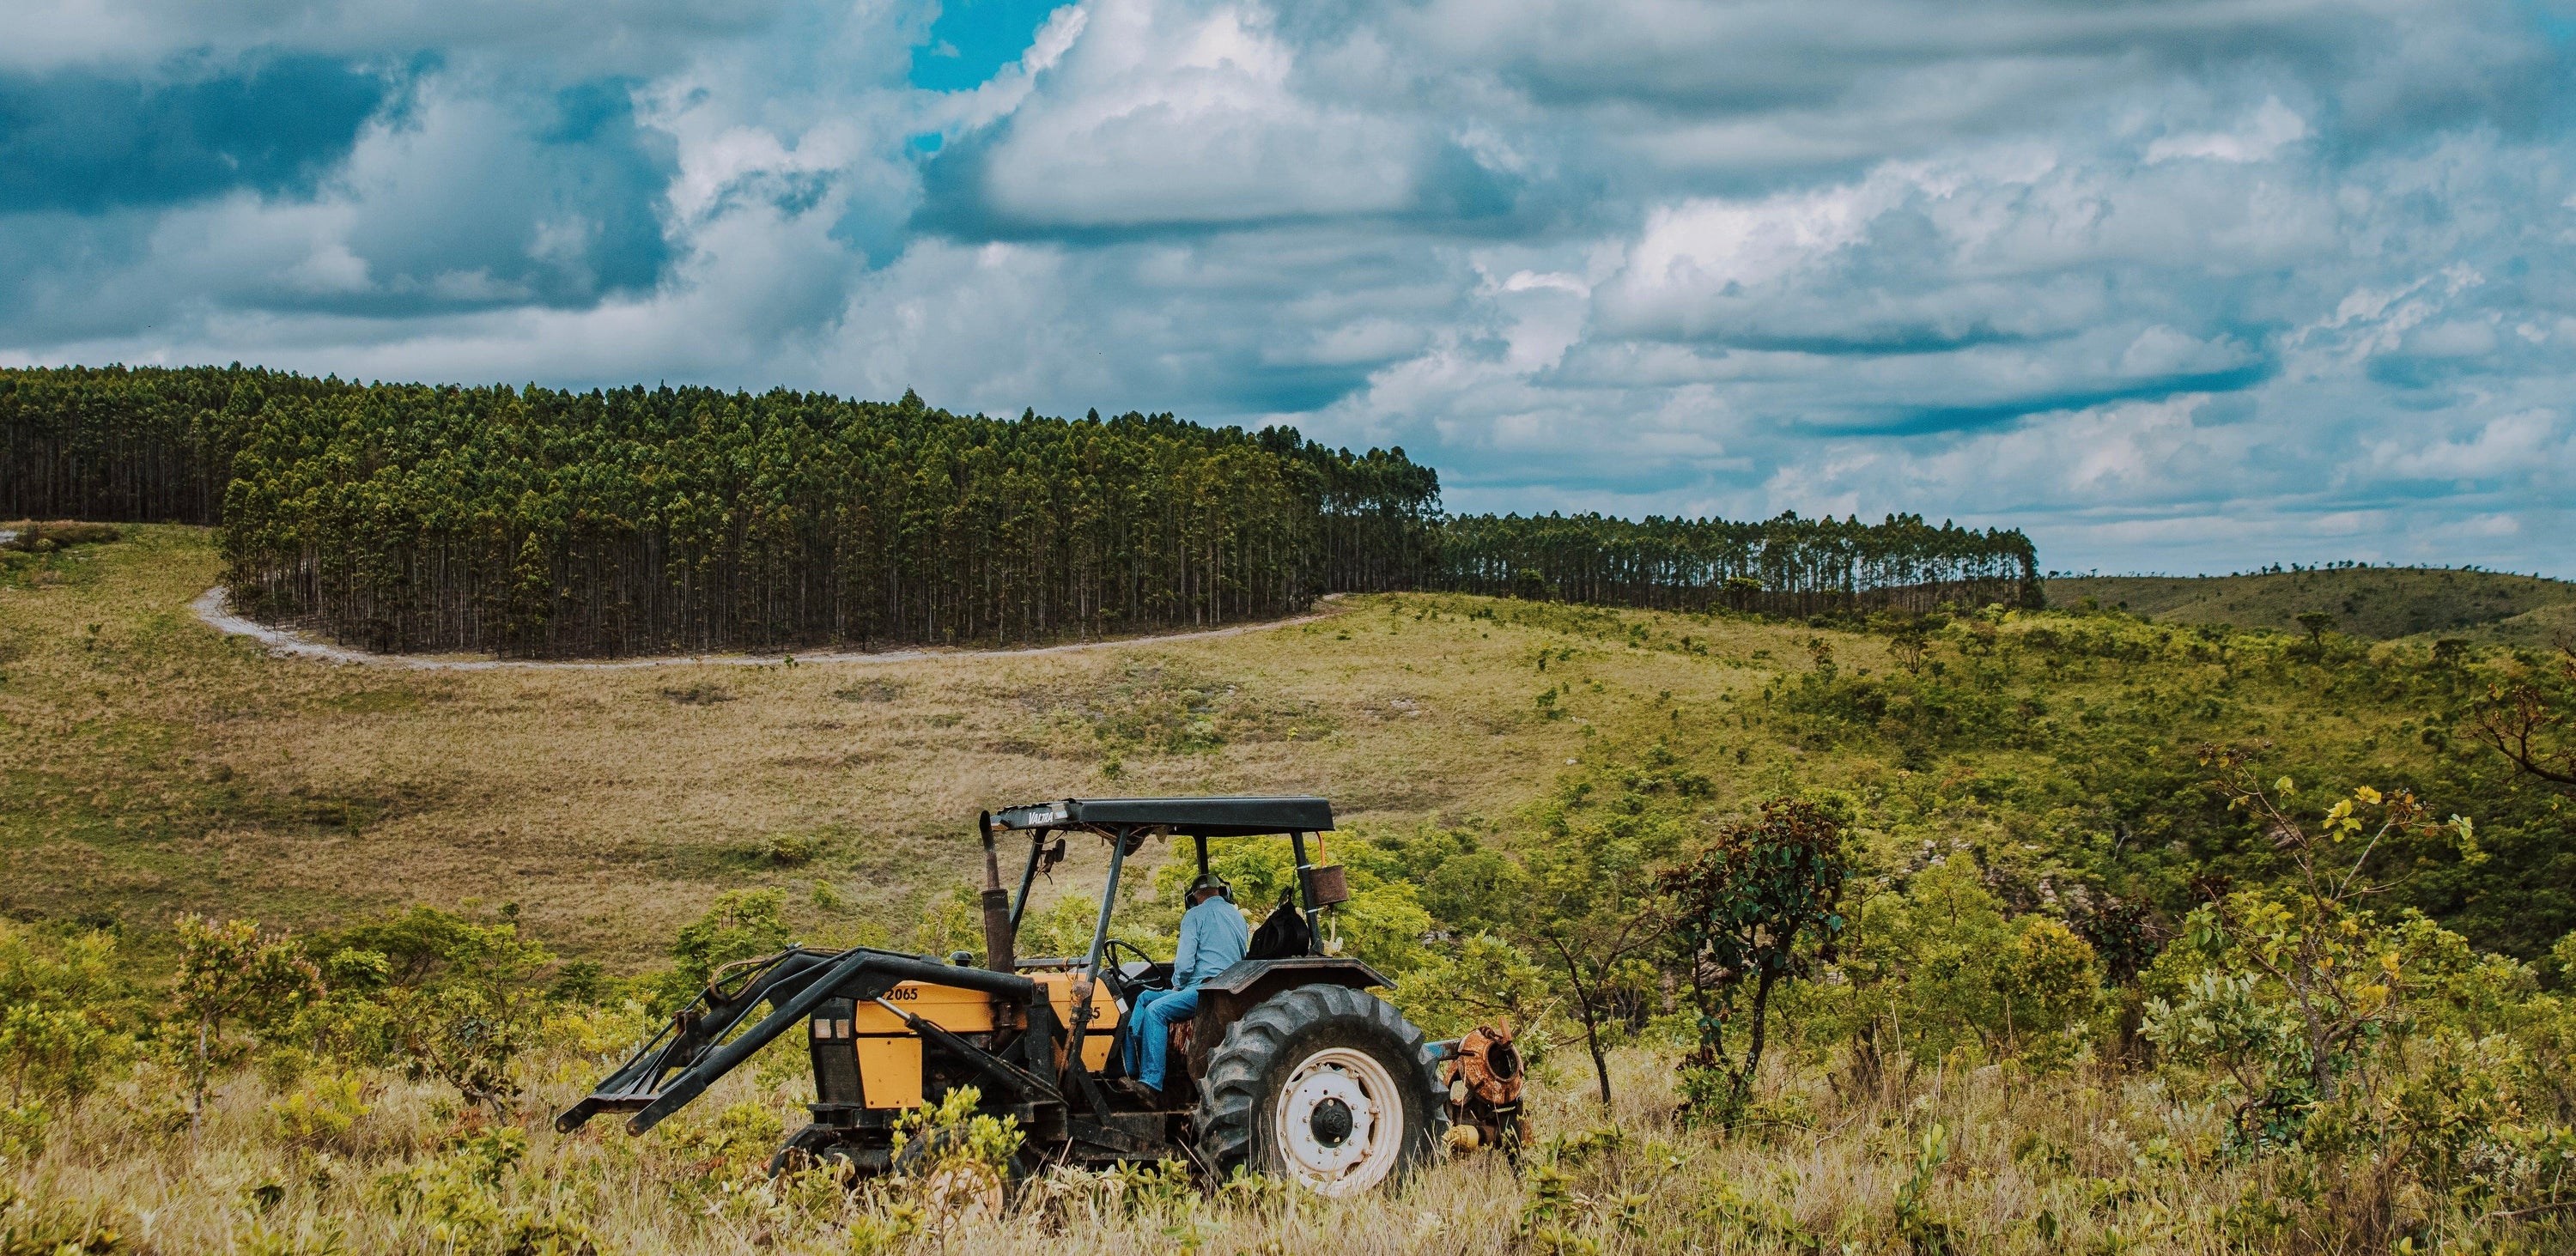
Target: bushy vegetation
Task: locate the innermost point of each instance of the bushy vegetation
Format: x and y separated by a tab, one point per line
2292	1070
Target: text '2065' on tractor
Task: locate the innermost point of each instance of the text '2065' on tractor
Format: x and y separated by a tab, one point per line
1293	1068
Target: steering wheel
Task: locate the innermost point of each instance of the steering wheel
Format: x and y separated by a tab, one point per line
1109	953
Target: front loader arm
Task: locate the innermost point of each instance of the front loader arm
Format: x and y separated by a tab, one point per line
686	1040
793	983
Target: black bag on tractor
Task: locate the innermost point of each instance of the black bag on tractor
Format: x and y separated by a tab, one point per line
1294	1068
1283	934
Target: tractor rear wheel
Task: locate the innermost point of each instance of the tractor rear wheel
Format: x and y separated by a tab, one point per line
1324	1086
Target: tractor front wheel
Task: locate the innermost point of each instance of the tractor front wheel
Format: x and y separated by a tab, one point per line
1323	1086
814	1146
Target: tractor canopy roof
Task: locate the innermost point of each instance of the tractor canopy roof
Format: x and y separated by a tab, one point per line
1188	817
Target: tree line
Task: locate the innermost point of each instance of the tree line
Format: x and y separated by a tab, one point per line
541	522
1786	565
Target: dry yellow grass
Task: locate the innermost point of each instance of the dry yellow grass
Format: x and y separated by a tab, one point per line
157	765
2082	1161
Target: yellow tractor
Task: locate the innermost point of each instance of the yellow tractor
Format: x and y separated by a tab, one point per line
1294	1068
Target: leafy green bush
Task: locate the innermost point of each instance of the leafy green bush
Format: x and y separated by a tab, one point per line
321	1114
33	1227
66	1002
1937	966
742	924
453	999
1483	980
792	850
458	1198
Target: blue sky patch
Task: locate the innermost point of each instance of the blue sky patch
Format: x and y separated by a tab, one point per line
973	39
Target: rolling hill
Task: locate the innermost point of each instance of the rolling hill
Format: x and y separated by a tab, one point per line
2378	603
159	766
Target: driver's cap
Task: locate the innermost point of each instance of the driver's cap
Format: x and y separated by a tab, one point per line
1211	881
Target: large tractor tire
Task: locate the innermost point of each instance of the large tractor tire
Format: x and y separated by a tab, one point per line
1324	1086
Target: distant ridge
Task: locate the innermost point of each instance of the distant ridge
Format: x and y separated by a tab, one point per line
2381	603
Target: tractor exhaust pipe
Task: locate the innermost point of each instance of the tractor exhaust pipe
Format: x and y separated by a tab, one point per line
1000	953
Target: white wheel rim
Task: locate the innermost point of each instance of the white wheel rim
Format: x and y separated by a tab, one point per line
1358	1160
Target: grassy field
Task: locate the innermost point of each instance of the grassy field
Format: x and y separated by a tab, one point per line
1979	1160
158	766
2380	603
2046	760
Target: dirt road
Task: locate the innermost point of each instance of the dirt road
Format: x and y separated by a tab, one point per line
210	607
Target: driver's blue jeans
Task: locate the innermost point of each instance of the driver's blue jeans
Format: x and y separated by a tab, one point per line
1150	1031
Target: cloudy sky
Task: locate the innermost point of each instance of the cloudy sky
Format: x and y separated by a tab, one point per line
2180	285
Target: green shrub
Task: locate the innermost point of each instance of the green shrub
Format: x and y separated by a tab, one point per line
742	924
1758	909
321	1114
1481	981
232	974
55	1053
792	850
34	1228
456	1198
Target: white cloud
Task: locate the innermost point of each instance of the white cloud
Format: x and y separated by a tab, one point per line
2508	444
1160	115
2129	454
589	36
2184	286
2270	129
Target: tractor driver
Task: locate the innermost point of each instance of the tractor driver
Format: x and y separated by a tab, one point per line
1213	939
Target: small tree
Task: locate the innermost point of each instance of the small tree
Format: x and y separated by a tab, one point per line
231	972
1591	917
1750	913
2532	722
469	1003
1485	980
2316	622
58	1013
1911	645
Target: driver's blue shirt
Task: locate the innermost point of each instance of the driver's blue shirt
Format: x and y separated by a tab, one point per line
1213	939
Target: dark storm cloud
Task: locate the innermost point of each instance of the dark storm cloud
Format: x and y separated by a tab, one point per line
88	140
